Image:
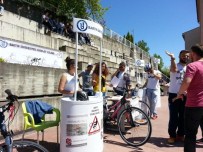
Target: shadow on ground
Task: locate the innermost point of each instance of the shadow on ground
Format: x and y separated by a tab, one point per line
50	146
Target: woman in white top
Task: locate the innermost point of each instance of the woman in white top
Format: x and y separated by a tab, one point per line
67	80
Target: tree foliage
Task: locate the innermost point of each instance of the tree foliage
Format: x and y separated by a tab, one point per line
164	70
161	64
143	45
76	8
129	37
94	10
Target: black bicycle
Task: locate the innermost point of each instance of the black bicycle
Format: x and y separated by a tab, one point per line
11	145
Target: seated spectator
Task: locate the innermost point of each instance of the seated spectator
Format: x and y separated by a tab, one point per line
45	21
87	38
68	32
53	23
61	27
1	7
81	39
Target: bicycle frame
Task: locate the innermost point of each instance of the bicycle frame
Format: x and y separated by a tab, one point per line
116	107
5	133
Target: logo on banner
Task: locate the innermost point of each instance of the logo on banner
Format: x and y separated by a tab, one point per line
82	25
3	44
138	62
94	126
68	141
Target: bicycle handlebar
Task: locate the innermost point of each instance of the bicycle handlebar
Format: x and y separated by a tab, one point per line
10	99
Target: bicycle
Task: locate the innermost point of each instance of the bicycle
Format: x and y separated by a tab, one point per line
11	145
134	125
144	105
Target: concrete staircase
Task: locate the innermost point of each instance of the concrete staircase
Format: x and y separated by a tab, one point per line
25	30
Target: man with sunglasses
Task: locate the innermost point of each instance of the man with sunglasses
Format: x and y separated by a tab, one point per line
176	109
124	79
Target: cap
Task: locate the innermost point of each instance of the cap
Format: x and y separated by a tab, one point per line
147	67
184	51
89	64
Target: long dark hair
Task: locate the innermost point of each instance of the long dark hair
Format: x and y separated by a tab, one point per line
69	62
96	69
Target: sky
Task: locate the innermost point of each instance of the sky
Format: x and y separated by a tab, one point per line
160	23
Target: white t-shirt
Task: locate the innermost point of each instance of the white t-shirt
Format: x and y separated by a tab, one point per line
176	78
121	83
153	82
70	83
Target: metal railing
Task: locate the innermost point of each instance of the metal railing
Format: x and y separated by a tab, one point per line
115	36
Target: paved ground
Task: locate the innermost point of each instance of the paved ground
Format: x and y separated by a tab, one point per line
113	142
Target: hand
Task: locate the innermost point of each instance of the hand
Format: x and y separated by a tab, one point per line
152	71
169	54
179	96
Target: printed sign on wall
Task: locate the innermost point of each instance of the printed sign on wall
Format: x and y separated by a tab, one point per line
28	54
139	63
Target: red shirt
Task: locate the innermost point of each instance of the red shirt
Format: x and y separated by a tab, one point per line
195	90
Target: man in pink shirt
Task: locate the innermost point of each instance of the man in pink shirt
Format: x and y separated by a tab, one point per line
192	84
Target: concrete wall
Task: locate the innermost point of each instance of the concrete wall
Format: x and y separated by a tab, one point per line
25	80
191	37
27	31
201	21
34	81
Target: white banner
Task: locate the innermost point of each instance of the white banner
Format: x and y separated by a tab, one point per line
21	53
139	63
155	60
86	26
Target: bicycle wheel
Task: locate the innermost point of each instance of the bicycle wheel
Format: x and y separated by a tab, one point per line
134	126
145	107
25	146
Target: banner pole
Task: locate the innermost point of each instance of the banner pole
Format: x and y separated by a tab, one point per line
76	67
137	73
100	69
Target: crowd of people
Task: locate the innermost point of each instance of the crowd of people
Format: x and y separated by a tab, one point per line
185	94
64	28
90	79
186	97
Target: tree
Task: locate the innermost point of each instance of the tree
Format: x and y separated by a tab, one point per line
78	8
95	10
166	71
129	37
161	64
143	45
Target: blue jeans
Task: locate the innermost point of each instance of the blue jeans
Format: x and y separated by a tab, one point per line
1	9
193	118
176	116
152	95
